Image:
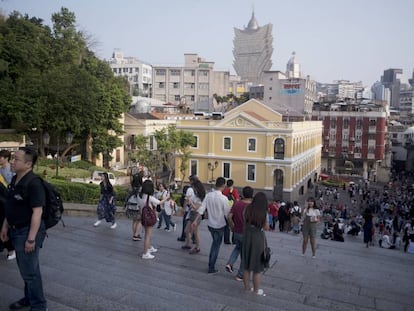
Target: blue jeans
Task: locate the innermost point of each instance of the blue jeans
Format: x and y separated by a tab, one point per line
29	266
217	235
168	221
160	218
238	240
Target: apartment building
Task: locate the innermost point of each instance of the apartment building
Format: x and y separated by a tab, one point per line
192	85
354	139
137	72
292	94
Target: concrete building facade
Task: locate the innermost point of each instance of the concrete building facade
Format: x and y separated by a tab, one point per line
191	86
138	73
354	139
294	95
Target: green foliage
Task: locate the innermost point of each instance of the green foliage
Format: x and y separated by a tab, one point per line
333	183
170	143
50	81
11	137
79	164
85	193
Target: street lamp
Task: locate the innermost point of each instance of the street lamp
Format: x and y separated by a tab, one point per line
46	140
211	167
69	138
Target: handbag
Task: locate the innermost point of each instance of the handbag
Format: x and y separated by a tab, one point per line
266	253
148	218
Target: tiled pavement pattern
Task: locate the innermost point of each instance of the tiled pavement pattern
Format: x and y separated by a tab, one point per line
87	268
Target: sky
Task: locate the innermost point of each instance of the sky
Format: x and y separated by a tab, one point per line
353	40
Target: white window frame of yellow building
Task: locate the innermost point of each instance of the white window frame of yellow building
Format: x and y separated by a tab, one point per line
247	172
224	143
196	140
190	167
223	170
279	153
248	144
152	144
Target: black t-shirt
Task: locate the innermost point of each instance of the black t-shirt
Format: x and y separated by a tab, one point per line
23	197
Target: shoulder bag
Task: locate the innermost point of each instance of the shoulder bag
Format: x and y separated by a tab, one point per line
266	253
148	218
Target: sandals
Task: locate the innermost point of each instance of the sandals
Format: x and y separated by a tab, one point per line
136	238
186	247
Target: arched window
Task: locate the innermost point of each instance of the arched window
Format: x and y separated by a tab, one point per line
279	149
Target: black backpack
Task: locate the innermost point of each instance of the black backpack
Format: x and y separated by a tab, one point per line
53	209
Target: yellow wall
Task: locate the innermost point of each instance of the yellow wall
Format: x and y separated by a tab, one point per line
255	120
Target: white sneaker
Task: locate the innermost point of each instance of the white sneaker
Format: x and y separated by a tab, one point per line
114	225
148	256
97	223
11	256
152	250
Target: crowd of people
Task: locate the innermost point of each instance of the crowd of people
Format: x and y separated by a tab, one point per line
231	219
383	216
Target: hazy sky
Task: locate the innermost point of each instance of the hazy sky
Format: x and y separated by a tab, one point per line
333	39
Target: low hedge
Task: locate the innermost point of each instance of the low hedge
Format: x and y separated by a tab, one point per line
85	193
333	183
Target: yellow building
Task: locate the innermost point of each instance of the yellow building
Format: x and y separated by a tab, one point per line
254	147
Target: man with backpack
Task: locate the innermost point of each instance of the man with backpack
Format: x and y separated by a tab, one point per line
24	226
232	195
295	215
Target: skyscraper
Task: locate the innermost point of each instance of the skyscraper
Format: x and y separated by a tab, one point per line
391	81
253	50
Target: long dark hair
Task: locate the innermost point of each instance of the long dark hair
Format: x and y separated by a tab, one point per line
256	212
199	190
147	188
106	182
312	199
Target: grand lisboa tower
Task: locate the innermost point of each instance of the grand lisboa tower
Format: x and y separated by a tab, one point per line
252	51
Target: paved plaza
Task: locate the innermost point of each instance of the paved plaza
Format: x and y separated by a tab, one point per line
87	268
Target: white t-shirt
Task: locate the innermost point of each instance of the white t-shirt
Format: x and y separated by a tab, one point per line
152	200
167	207
312	212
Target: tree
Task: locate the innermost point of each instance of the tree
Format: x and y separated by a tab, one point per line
49	80
150	159
170	144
